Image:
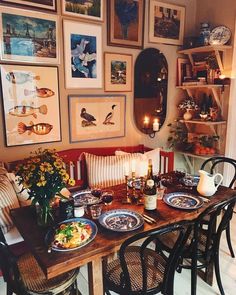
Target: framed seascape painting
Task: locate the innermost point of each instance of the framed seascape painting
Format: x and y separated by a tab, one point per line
166	23
83	55
90	10
41	4
118	72
28	36
93	117
125	23
30	104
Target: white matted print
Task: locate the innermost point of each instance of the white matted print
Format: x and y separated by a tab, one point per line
118	72
166	23
28	36
83	54
30	104
96	117
90	10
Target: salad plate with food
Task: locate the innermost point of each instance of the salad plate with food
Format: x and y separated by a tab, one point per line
71	234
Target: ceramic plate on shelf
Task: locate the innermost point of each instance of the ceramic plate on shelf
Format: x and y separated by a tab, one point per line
71	234
121	220
182	200
137	183
219	35
85	198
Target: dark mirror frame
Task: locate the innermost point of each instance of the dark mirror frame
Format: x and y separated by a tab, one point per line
150	90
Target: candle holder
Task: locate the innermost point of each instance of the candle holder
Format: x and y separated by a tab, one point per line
127	200
151	133
134	195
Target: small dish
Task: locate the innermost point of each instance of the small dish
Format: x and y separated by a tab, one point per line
182	200
137	183
85	198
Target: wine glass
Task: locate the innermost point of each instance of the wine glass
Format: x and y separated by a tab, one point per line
107	197
96	191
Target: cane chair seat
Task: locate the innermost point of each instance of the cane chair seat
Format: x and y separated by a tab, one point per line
35	281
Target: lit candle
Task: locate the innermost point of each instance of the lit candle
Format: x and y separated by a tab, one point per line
146	122
155	125
126	166
143	168
133	164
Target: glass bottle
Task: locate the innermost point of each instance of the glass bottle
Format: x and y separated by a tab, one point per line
149	191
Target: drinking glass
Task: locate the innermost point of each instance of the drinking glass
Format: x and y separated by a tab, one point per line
96	211
107	197
96	191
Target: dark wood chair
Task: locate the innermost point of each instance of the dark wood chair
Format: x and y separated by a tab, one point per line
211	165
23	275
141	268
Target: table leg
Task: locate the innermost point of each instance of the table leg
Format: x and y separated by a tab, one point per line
95	278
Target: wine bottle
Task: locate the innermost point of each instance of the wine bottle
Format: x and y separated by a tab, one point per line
149	191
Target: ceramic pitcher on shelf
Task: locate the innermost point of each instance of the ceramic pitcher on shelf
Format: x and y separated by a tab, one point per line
207	185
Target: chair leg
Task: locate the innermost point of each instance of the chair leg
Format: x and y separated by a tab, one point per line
9	290
229	240
194	267
217	271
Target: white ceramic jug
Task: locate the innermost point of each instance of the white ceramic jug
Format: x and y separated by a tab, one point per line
207	186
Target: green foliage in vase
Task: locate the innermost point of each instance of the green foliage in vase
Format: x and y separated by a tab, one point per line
208	140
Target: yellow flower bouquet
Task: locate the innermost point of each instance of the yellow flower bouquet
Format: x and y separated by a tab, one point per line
43	174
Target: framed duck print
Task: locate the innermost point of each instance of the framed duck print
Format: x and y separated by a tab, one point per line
94	117
28	36
126	23
30	104
88	10
83	54
41	4
118	72
166	23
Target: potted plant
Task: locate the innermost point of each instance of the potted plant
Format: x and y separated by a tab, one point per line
188	105
43	176
205	145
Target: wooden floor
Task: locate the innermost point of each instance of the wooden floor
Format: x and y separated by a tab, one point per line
182	281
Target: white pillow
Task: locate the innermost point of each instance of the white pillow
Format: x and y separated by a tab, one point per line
154	155
108	170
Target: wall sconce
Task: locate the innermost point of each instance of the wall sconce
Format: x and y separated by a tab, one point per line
151	131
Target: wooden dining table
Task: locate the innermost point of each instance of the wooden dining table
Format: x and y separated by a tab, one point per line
106	242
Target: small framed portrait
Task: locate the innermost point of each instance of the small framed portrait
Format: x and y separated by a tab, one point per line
50	5
118	72
166	23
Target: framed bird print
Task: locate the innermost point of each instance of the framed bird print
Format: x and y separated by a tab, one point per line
96	117
30	104
118	72
83	54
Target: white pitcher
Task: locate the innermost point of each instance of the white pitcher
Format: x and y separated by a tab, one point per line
207	186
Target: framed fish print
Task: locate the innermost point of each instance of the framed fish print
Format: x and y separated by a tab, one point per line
90	10
94	117
83	55
118	72
41	4
126	23
166	23
27	36
30	104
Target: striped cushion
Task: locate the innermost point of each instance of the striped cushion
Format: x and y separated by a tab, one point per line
108	170
8	200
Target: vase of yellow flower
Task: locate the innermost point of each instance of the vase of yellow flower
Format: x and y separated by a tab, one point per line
43	175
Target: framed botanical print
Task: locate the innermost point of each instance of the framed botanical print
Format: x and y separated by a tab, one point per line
41	4
28	36
93	117
126	23
30	104
166	23
83	54
90	10
118	72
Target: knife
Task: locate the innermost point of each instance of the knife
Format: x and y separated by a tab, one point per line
147	220
150	218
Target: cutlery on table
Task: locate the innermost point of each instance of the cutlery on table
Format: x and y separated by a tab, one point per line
205	200
149	218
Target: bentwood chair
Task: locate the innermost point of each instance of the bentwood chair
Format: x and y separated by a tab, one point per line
23	275
214	163
141	268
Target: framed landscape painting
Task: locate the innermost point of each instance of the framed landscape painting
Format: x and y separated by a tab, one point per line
166	23
125	23
90	10
30	104
83	55
93	117
42	4
118	72
27	36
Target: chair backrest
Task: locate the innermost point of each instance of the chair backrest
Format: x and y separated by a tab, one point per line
166	161
217	162
144	240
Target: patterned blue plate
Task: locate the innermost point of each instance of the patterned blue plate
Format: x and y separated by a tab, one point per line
121	220
137	183
50	236
181	200
85	198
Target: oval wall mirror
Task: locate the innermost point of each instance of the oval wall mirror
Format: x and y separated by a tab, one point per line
150	90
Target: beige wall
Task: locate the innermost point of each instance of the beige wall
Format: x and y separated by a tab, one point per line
133	136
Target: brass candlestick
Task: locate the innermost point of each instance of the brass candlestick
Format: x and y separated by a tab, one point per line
134	196
127	190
